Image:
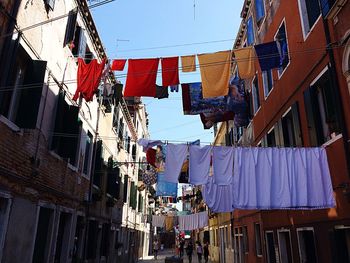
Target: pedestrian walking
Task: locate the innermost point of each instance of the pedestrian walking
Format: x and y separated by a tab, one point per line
199	251
182	247
155	248
189	251
206	252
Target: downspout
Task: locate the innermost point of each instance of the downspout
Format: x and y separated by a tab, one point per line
335	84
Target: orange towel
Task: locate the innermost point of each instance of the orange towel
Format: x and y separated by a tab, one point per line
188	63
215	73
245	62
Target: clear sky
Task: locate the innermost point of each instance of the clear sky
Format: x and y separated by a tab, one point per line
159	23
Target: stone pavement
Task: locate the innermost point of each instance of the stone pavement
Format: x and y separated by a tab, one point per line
168	253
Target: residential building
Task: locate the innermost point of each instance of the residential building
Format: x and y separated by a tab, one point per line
63	163
302	104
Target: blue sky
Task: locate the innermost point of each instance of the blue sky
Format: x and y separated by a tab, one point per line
159	23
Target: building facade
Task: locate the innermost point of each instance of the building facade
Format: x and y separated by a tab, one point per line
305	103
68	169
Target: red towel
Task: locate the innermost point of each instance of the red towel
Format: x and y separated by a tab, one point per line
118	64
88	78
170	71
151	157
186	99
141	79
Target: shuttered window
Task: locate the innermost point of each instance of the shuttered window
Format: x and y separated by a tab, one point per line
70	29
250	31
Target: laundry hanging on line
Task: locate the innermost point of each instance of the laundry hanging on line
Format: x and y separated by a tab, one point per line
170	71
188	63
245	59
118	64
161	92
141	78
158	220
215	73
269	55
193	221
88	78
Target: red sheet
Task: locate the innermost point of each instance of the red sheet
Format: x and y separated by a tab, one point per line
141	79
170	71
118	64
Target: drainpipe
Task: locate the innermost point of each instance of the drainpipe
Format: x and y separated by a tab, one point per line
335	84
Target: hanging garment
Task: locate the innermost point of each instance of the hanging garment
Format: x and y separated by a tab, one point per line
199	164
170	71
146	144
174	88
244	58
149	176
165	188
151	156
158	221
219	198
209	119
161	92
202	105
268	55
186	99
88	78
203	220
141	78
175	158
215	73
188	63
236	97
169	223
223	165
282	178
188	222
118	64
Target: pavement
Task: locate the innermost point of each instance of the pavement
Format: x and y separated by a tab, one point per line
168	253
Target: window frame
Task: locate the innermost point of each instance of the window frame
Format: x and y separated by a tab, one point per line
262	20
258	239
279	72
290	241
267	250
255	88
301	229
302	9
264	75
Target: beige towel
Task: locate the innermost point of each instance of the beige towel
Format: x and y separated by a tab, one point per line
215	73
245	62
188	63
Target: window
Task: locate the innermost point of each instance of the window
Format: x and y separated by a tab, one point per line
271	138
320	104
271	249
43	234
70	29
341	244
306	243
267	81
258	246
133	152
88	151
282	41
259	11
255	93
113	180
104	247
250	31
291	127
121	129
63	237
125	190
127	142
140	203
309	12
66	122
326	6
238	245
21	106
4	214
50	4
285	246
245	240
92	239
